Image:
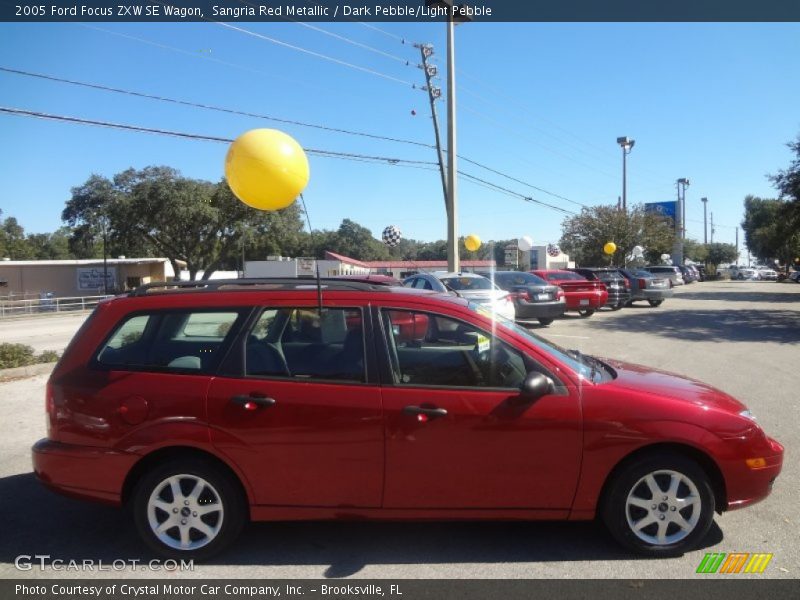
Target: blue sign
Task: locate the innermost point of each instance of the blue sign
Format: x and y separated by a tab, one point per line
663	209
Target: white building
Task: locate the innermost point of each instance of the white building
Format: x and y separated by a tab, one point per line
281	266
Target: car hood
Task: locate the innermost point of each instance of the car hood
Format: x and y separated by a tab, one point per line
662	383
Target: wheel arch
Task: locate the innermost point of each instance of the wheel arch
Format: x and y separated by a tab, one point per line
709	466
169	453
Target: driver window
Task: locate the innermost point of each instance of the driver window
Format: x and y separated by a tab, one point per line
433	350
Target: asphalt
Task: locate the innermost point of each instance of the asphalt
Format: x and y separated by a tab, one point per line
741	337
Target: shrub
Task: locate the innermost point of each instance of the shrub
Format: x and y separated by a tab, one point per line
16	355
20	355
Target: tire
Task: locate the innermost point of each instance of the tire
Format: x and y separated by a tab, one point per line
740	277
586	312
630	498
617	306
545	322
655	302
220	525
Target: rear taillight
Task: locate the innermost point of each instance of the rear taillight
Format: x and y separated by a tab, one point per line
642	283
49	407
519	295
627	284
559	294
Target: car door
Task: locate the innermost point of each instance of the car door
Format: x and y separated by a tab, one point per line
298	409
458	434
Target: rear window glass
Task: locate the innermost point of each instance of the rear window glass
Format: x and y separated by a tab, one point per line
167	340
566	275
518	279
467	283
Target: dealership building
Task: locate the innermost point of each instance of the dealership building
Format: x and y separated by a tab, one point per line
30	278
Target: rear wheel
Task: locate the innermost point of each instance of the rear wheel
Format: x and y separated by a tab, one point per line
586	312
545	322
655	302
617	306
659	505
188	509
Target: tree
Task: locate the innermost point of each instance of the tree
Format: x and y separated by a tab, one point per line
695	251
13	244
50	246
157	211
721	253
769	230
584	235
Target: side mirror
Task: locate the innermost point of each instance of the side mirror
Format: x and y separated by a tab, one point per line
536	385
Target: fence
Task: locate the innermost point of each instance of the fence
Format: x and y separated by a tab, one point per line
35	306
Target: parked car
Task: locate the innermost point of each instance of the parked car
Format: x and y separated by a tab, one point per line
646	286
701	272
766	274
534	298
202	407
794	276
618	288
670	272
467	285
580	294
742	273
689	276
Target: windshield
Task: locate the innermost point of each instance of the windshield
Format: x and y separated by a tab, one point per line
580	363
460	284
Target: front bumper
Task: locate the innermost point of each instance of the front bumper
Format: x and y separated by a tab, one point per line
85	472
747	485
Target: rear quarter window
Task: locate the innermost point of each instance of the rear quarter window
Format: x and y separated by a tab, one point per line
184	341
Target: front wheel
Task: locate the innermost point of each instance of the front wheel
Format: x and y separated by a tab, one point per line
586	312
659	505
188	509
545	322
655	302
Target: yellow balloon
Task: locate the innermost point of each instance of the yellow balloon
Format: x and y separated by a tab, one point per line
266	169
472	242
610	248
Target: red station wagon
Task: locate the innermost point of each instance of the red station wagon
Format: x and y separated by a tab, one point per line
207	404
581	294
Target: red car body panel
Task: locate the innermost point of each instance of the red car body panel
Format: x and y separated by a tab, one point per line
346	450
578	295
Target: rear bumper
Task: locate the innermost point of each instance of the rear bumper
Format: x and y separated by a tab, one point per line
82	471
584	300
539	310
653	294
748	485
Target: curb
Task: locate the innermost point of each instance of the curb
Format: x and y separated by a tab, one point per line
29	371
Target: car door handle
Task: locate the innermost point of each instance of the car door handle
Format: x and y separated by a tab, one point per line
429	412
253	402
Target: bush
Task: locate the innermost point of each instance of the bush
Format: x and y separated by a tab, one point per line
20	355
16	355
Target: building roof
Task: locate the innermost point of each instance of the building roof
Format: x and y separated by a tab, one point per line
345	259
424	264
84	261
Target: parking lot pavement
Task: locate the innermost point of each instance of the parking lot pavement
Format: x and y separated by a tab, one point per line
739	336
42	332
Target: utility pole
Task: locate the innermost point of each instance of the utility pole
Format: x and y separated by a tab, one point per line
712	227
105	256
705	222
682	184
737	247
434	93
453	263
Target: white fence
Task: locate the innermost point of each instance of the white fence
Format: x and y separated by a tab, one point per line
36	306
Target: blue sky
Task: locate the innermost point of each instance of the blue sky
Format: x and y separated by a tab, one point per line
542	102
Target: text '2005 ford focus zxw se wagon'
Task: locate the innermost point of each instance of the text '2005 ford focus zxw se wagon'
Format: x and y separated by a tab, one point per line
204	405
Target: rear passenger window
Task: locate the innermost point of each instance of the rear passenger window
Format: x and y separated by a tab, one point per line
165	340
302	343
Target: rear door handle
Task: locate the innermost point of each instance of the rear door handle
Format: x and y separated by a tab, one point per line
253	401
430	412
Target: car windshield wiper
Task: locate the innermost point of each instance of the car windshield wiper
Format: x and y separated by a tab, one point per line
589	361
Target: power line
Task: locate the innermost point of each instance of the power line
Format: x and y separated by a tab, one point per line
313	151
315	54
276	119
207	138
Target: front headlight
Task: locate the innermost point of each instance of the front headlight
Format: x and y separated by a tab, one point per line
748	415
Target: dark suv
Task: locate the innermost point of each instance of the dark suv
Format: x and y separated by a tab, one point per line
202	405
619	288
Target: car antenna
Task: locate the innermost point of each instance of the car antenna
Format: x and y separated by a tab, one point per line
316	262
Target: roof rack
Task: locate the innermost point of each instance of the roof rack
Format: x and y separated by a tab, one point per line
246	285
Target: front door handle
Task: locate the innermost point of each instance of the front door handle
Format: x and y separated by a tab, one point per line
428	412
253	401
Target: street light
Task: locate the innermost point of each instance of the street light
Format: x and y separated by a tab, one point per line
627	146
705	221
453	263
682	184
